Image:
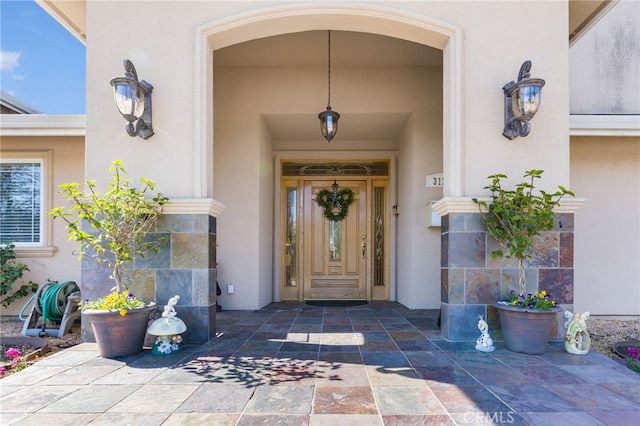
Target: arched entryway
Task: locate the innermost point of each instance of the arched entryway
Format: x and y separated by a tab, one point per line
248	250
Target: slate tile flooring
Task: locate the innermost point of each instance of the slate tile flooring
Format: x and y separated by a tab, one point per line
294	364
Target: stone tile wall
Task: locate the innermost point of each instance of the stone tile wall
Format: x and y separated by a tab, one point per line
472	280
185	266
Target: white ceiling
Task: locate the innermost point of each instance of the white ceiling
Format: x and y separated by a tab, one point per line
351	126
347	49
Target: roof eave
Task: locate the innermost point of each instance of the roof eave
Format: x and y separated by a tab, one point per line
43	125
71	14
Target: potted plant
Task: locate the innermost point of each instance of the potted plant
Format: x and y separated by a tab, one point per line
515	218
120	220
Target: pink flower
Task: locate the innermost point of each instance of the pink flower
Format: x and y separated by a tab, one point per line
13	353
2	370
633	352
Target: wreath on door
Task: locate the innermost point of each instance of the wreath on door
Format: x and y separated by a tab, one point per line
335	204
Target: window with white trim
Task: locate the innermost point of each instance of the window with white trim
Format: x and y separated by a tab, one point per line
22	201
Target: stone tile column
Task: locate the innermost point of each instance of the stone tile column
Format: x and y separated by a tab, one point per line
471	280
186	267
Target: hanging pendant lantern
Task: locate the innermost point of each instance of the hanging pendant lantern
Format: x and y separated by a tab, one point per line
329	118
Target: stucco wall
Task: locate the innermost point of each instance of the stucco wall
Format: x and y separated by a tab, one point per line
67	160
238	161
479	59
243	149
606	171
496	45
267	225
605	64
486	57
420	154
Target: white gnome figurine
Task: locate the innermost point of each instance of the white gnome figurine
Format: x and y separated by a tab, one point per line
484	342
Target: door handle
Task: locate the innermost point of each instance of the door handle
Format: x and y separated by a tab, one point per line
363	244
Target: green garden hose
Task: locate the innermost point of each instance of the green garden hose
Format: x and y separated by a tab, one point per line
50	300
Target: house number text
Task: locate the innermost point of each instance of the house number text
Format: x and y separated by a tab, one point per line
435	181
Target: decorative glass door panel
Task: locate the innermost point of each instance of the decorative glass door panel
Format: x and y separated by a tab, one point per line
290	255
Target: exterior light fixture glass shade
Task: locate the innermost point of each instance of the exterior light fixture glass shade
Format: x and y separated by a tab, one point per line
329	118
129	98
133	99
521	102
328	123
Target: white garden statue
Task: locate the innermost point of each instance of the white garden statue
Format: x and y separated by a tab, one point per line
169	309
576	339
484	342
168	329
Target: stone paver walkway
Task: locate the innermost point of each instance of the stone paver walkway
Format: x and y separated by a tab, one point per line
295	364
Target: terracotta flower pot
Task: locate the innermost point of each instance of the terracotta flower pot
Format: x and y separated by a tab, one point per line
526	330
118	335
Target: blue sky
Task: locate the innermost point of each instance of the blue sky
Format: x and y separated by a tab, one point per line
41	63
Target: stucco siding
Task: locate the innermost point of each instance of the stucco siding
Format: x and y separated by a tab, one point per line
489	60
606	171
209	140
605	64
244	174
67	163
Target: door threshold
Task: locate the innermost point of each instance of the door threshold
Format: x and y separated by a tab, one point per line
336	302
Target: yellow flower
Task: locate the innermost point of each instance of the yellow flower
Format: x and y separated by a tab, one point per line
123	312
543	293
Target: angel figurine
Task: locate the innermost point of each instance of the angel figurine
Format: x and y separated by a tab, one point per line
576	339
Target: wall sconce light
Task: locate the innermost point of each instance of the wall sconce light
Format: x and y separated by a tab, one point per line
521	101
133	99
329	118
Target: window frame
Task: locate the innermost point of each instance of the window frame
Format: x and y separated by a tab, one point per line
42	248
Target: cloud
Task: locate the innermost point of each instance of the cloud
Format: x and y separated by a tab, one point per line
9	61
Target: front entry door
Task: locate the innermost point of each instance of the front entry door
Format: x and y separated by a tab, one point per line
335	252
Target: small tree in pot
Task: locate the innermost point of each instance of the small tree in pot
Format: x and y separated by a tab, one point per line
120	219
515	217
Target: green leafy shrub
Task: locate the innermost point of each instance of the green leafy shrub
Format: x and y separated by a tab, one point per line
515	217
121	219
12	272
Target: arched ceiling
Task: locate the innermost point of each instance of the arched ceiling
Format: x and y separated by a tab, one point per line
310	49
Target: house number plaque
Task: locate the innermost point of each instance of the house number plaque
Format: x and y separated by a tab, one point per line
435	181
